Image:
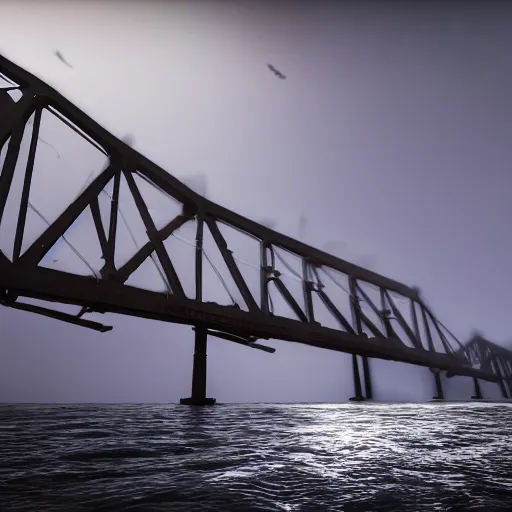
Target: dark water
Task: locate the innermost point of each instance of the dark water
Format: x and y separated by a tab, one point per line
256	457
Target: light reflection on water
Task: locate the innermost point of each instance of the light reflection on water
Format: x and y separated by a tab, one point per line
256	457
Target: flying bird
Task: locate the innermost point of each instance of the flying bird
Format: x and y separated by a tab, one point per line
276	72
62	59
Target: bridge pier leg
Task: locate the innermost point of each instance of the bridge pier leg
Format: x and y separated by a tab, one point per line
439	387
503	388
367	379
478	392
199	371
358	397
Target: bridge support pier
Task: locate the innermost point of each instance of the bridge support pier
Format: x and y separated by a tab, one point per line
478	392
439	386
358	396
199	371
358	390
503	389
367	379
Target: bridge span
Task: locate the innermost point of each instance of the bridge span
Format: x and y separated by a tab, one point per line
371	317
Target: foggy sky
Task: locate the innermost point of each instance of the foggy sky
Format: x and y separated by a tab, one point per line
391	135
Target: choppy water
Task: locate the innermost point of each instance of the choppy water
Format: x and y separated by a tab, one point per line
256	457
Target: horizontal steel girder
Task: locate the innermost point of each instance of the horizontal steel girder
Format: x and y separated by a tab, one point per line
45	284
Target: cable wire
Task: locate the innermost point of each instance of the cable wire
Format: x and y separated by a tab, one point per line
219	275
295	273
35	210
130	232
334	280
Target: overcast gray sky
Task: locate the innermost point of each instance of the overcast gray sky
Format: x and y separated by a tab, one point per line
390	135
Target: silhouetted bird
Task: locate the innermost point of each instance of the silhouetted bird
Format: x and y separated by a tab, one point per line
276	72
62	59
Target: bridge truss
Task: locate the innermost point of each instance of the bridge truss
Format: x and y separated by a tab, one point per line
367	315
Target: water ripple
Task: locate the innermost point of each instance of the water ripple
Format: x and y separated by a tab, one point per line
301	458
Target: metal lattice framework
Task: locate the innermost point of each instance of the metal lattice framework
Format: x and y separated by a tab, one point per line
375	327
491	358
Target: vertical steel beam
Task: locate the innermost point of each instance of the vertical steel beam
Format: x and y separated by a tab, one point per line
112	228
415	324
199	259
307	287
263	277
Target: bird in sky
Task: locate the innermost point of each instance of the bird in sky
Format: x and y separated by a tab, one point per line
276	72
62	59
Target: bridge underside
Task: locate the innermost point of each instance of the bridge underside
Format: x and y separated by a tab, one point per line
288	290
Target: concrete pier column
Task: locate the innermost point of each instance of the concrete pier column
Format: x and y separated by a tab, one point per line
199	371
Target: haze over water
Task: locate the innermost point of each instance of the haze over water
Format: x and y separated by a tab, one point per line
303	457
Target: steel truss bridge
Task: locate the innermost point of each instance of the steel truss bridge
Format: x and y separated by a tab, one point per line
376	326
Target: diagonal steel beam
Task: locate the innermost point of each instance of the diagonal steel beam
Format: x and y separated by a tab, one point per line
17	113
98	224
289	298
231	264
165	260
7	175
145	251
401	320
58	315
335	311
36	252
25	194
